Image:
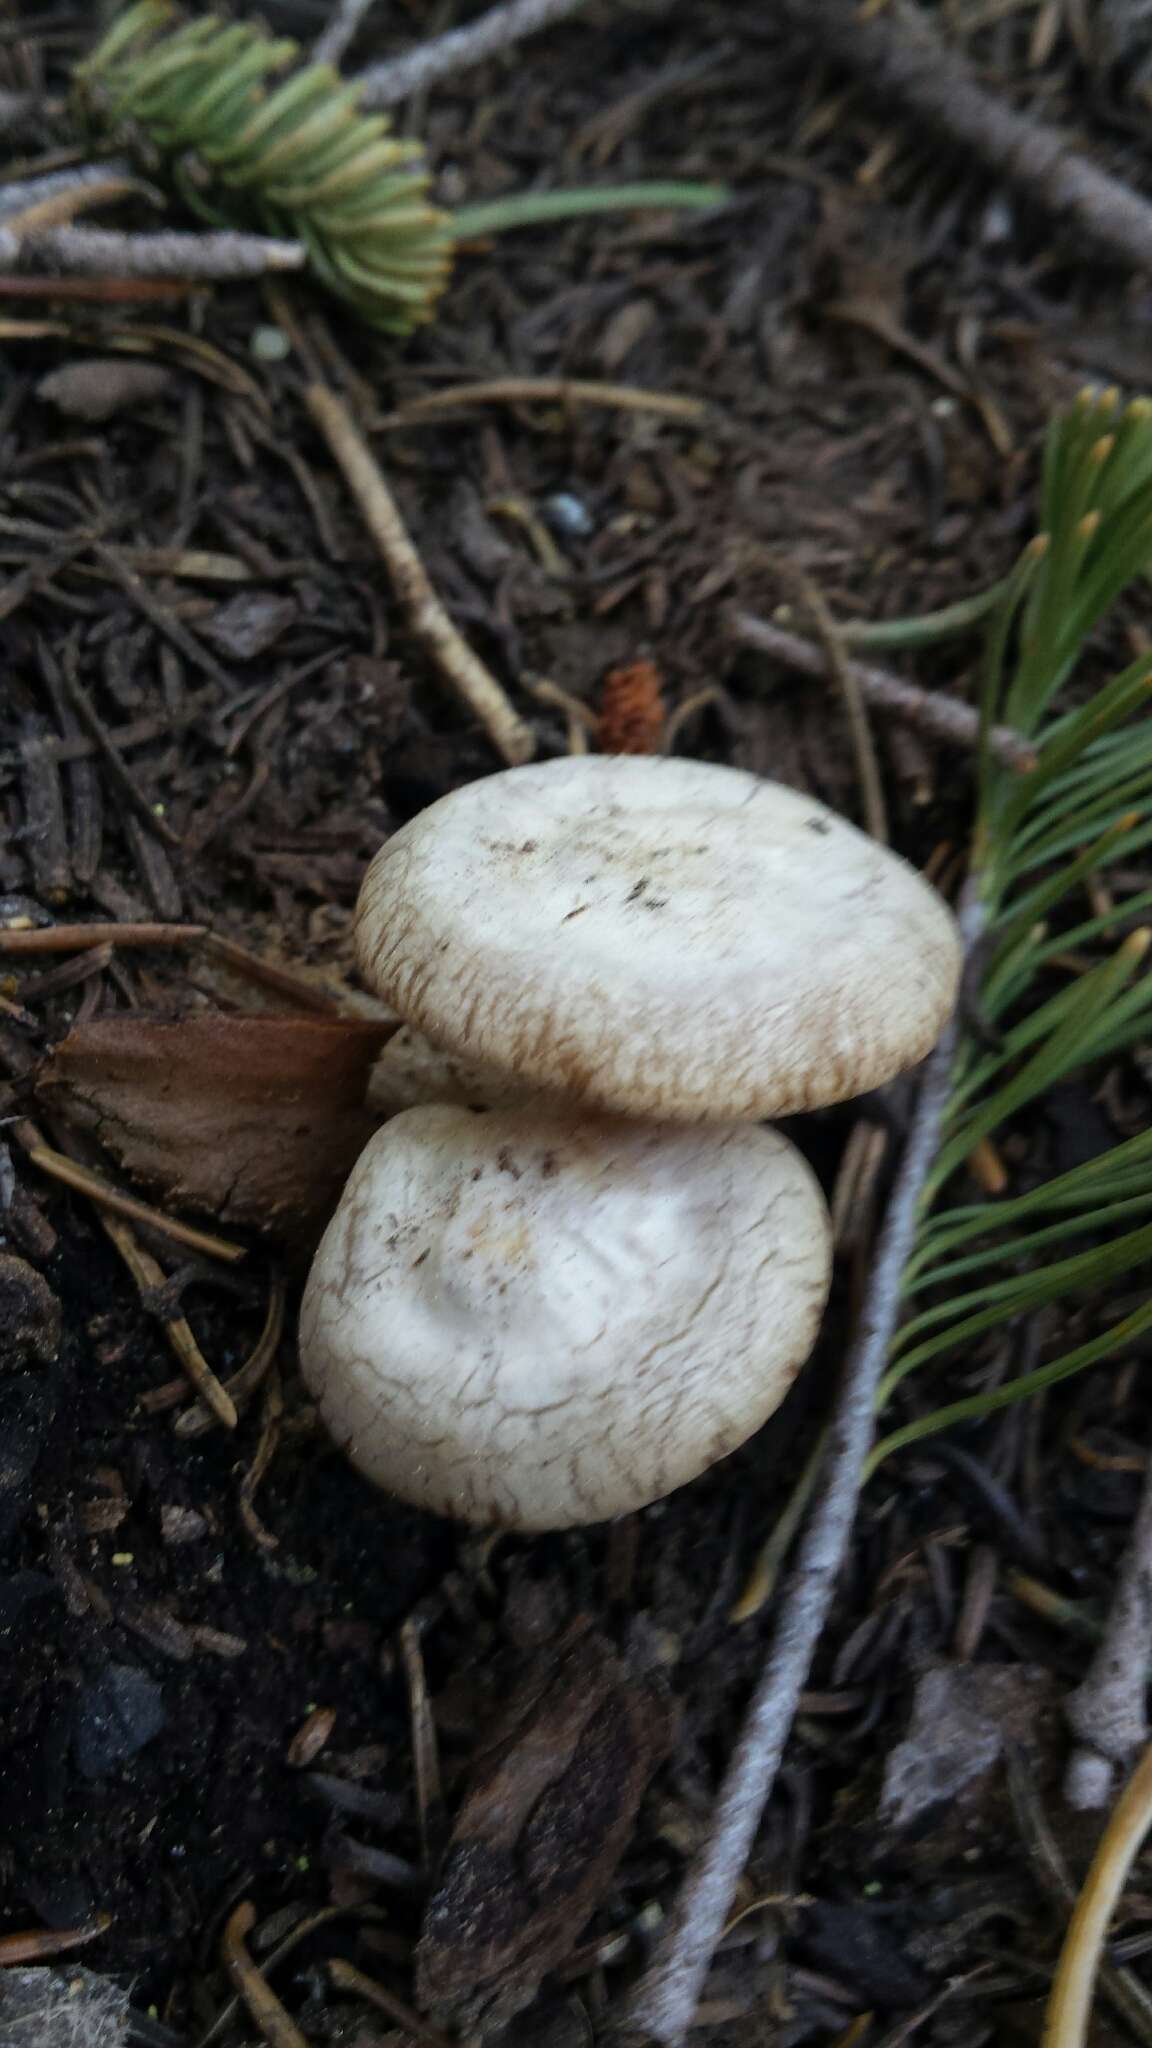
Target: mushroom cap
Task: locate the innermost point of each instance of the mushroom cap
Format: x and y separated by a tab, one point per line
660	938
537	1320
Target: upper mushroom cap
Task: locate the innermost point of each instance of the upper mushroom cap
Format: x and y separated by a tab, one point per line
658	938
535	1320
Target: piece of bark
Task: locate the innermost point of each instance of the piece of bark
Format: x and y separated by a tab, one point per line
547	1815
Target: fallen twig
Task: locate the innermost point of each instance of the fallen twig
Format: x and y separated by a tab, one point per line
265	1452
848	683
664	2002
384	84
1070	2006
302	1930
98	252
547	391
86	291
329	47
944	718
40	1945
902	63
1107	1711
100	1191
1123	1986
246	1380
346	1977
59	209
277	2027
101	179
164	620
150	1278
463	670
67	938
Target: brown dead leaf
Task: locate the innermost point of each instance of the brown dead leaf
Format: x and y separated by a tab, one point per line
548	1813
250	1120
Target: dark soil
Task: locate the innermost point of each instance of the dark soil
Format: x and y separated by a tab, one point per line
166	1642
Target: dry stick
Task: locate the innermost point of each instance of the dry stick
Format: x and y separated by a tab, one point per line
384	84
15	196
248	1378
664	2002
1122	1986
848	683
902	63
98	291
323	1917
250	967
346	1977
85	1182
42	1944
277	2027
148	1276
66	938
330	47
182	640
545	391
1107	1710
57	209
944	718
101	252
511	736
265	1452
1070	2006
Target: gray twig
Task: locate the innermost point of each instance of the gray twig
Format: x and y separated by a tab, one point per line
664	2002
1108	1710
944	718
18	197
330	46
385	84
100	252
902	63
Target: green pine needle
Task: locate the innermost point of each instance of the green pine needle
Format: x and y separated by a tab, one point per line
1064	990
294	156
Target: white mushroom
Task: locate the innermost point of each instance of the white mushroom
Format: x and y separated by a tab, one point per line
410	1070
658	938
534	1320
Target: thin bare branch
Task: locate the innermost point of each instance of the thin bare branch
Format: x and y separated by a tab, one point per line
903	64
663	2005
860	731
461	669
329	47
943	718
101	252
567	391
499	29
18	196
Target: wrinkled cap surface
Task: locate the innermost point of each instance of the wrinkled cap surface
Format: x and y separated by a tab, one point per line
658	938
533	1320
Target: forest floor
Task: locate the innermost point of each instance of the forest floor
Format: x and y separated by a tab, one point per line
225	1652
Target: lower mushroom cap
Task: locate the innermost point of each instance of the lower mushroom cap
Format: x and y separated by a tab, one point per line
537	1321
